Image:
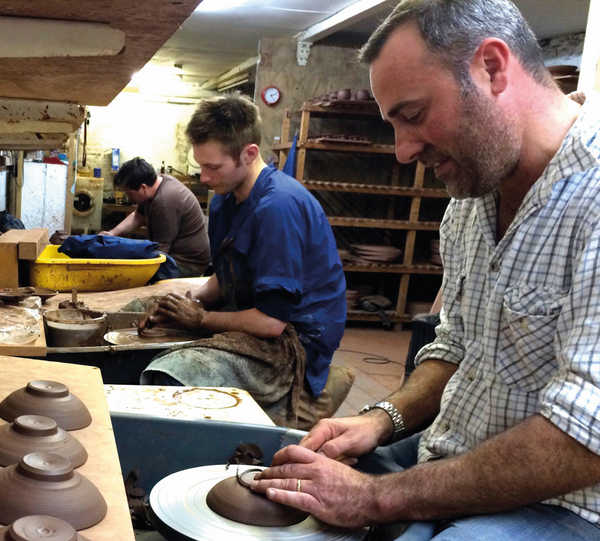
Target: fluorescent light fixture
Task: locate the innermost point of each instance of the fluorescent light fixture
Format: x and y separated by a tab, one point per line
220	5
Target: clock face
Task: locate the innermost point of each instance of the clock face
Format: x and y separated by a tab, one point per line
271	95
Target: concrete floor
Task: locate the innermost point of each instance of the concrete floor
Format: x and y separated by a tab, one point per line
378	358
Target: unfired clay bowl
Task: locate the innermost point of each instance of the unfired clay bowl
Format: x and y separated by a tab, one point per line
37	434
50	399
44	483
363	95
344	94
232	498
40	528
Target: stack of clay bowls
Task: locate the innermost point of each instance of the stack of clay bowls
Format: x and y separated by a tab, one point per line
38	528
351	299
372	253
38	485
434	248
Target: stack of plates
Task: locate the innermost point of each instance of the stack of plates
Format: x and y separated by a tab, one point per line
373	253
351	299
345	256
434	247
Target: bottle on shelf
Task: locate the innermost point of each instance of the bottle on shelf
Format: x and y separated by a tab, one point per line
162	168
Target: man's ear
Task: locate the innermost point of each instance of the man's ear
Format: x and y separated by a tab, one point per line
250	153
490	65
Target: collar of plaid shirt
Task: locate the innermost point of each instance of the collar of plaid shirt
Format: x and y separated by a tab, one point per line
521	317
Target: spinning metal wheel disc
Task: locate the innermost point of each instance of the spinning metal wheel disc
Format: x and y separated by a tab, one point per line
124	337
180	511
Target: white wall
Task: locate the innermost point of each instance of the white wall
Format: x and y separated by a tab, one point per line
3	182
151	130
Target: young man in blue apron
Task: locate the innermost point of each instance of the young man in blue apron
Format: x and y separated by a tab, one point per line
276	302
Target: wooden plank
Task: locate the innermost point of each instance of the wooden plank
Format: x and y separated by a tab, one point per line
147	24
382	224
13	111
395	268
71	180
9	255
377	189
285	128
342	147
103	467
19	184
33	243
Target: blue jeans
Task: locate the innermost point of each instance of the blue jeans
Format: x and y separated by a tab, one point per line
529	523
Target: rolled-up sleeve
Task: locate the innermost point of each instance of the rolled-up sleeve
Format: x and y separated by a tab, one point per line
571	400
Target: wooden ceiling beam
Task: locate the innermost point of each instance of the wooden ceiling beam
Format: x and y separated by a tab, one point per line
20	38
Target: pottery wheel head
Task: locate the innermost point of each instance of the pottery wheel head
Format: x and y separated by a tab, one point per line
232	498
41	528
35	425
49	389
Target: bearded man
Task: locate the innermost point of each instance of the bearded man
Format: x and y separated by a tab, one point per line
511	386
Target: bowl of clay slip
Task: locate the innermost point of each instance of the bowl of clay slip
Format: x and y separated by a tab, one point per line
46	484
37	434
49	399
40	528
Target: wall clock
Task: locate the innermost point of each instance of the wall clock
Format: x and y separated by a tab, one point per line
271	95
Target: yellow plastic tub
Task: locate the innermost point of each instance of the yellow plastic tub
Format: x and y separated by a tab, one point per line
54	270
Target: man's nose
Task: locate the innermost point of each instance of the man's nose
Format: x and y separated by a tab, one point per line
408	147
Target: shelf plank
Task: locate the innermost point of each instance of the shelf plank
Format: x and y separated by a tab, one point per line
395	268
375	189
383	224
340	147
332	111
361	315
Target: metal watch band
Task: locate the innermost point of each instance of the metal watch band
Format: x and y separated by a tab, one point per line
395	416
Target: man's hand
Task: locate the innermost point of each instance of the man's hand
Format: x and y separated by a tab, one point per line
349	436
185	311
329	490
106	233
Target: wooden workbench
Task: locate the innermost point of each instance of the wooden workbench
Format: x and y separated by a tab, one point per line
103	467
110	301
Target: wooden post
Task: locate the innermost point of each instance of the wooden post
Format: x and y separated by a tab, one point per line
71	178
19	183
301	151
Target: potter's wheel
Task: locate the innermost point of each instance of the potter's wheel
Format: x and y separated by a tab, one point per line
156	335
180	511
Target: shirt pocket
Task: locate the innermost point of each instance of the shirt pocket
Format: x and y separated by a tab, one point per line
526	359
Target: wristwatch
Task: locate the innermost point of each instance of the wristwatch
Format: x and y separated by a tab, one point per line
395	416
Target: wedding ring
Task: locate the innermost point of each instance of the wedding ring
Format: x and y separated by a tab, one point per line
298	485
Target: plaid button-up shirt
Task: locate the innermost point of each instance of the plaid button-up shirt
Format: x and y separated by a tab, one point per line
521	317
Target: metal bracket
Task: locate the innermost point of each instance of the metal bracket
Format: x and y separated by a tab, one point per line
303	52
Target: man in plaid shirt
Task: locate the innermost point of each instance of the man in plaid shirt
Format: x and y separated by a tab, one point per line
512	383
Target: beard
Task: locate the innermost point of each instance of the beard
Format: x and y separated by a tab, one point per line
486	151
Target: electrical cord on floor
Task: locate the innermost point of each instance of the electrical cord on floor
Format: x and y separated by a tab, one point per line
371	358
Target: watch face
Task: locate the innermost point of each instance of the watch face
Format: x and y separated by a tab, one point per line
271	95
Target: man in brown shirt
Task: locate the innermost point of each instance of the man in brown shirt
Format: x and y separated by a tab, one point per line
170	211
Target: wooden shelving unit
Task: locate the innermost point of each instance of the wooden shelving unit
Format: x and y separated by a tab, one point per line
416	192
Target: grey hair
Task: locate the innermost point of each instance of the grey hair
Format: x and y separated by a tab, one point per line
454	30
